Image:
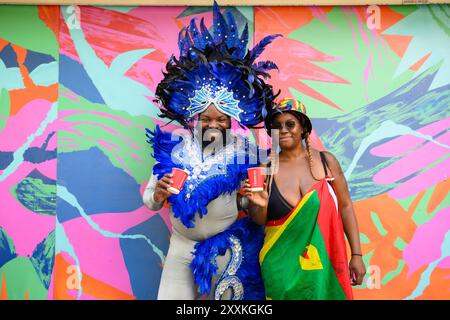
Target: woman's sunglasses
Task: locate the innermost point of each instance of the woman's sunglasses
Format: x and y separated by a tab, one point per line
289	125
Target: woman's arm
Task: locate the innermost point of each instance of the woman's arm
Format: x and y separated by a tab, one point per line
255	212
258	213
348	217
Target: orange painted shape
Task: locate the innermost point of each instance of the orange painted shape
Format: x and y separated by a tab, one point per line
439	287
397	289
90	285
3	43
50	16
389	17
281	19
398	43
4	293
21	97
385	254
284	19
440	192
419	63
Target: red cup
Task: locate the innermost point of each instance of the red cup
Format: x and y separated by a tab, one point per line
179	178
256	178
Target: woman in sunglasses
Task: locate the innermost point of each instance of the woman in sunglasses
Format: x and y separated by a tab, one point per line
306	208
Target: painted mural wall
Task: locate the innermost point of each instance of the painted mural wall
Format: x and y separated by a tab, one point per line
76	91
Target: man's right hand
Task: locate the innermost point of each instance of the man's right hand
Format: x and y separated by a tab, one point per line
161	194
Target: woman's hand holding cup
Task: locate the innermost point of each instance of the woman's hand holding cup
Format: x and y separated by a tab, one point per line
257	198
255	187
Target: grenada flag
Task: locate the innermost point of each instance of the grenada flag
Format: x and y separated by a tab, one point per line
304	254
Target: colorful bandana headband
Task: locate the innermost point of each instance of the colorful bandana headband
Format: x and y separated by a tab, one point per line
215	67
290	104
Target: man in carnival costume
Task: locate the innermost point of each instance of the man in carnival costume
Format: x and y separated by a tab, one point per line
214	82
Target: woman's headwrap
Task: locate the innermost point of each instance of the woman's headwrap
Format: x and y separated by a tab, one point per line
216	68
293	106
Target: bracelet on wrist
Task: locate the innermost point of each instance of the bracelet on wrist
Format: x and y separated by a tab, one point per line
357	254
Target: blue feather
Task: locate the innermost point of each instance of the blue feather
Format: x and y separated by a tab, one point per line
181	36
242	47
265	66
264	113
163	143
199	42
233	37
216	23
259	48
230	65
205	33
208	189
224	31
204	265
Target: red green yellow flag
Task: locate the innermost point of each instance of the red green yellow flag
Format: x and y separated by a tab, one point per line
304	254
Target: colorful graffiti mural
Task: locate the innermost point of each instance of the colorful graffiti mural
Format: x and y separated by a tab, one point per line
76	90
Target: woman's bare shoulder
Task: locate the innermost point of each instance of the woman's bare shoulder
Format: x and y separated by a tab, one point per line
332	162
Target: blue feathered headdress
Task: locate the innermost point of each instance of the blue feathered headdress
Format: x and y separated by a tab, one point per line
216	68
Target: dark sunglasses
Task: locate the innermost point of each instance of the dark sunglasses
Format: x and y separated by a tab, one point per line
289	125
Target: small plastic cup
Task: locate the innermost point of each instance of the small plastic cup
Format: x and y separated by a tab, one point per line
179	178
256	178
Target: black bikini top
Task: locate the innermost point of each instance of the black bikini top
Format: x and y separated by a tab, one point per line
278	206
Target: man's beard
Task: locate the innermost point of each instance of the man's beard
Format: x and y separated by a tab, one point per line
214	139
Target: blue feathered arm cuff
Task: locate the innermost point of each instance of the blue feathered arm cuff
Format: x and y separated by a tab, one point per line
163	143
197	192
